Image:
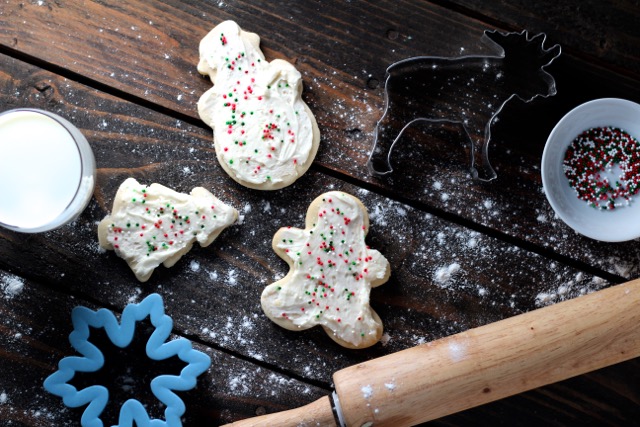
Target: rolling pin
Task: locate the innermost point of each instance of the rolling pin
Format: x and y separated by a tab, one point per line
478	366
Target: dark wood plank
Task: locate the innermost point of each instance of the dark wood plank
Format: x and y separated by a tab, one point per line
34	337
221	285
144	47
594	400
342	51
36	322
605	32
432	171
119	46
213	293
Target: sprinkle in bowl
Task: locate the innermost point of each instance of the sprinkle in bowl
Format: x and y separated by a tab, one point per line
595	215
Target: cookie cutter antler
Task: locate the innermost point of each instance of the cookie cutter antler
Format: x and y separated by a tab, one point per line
121	334
468	90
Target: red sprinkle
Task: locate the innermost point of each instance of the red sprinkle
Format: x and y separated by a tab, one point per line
597	152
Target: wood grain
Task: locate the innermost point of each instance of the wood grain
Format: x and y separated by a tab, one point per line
598	31
118	47
493	361
36	321
463	253
480	365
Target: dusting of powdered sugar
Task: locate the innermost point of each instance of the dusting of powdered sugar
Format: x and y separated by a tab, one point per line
243	381
570	289
457	351
367	391
11	285
194	266
443	275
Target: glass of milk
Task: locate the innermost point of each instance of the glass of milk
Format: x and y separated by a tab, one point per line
47	171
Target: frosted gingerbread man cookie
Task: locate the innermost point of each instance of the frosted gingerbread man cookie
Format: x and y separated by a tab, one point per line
264	134
332	271
153	225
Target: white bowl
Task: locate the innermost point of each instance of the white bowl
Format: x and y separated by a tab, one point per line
615	225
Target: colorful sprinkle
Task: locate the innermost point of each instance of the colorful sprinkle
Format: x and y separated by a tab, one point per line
595	158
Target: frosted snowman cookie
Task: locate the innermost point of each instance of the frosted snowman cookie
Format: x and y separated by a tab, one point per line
264	134
153	225
331	273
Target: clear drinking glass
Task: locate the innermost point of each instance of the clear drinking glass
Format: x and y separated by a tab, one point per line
47	171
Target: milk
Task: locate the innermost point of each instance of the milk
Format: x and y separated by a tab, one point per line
46	171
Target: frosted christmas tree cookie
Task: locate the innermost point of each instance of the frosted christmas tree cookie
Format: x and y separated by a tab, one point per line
264	134
153	225
332	271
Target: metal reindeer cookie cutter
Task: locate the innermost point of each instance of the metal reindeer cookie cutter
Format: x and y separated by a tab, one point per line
121	334
467	90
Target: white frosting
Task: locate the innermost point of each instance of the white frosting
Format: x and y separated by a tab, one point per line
263	131
150	225
332	271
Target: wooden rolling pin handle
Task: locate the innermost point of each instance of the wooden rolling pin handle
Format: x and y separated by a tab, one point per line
481	365
318	413
493	361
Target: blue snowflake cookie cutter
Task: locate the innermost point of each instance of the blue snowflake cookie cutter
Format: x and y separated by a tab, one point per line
121	334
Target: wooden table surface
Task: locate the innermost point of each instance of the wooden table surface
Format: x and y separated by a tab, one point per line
125	73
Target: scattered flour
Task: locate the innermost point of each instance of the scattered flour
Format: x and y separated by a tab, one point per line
134	298
384	214
568	290
245	382
231	277
400	211
384	340
367	391
457	351
444	274
11	285
622	269
195	266
378	215
238	383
